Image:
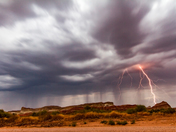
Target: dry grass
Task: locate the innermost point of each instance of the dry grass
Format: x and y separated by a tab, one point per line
48	120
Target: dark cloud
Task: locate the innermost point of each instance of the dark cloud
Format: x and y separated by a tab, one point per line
164	44
64	60
38	69
120	27
20	10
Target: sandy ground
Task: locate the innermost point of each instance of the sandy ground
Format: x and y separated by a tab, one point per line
95	129
154	123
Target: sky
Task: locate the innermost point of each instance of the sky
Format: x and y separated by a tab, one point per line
68	52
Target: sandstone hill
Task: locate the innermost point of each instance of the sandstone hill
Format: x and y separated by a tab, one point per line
162	105
98	105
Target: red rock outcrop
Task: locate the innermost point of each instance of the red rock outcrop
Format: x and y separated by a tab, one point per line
162	105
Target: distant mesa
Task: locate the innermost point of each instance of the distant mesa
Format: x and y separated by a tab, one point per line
162	105
99	105
39	109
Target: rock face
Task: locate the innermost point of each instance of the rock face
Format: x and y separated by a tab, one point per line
66	109
99	104
162	105
23	109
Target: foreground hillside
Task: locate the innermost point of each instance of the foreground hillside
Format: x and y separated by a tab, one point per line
95	114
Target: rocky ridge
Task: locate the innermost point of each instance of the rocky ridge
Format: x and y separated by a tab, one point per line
98	105
162	105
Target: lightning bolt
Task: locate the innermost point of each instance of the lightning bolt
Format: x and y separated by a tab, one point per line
140	82
150	84
120	79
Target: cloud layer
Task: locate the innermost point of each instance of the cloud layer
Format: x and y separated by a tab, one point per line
68	52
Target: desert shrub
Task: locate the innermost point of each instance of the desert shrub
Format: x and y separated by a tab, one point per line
118	122
114	114
4	114
43	112
140	108
40	113
1	111
73	124
27	121
169	111
55	112
122	122
85	122
87	107
58	117
79	116
155	111
104	122
111	122
2	122
143	113
34	114
13	118
133	122
165	111
131	111
45	117
91	115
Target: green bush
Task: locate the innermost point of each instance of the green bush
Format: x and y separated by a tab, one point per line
122	122
131	111
44	112
169	111
87	108
73	124
156	111
140	108
55	112
165	111
104	122
34	114
111	122
133	122
4	114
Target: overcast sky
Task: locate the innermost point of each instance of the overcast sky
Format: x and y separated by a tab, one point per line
67	52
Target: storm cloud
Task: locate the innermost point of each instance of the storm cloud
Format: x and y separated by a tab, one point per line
65	52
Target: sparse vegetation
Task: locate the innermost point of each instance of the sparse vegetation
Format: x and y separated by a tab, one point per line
111	122
122	122
133	122
4	114
87	108
140	108
73	124
131	111
104	122
82	116
169	111
55	112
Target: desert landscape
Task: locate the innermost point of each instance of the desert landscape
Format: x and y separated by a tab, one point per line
87	65
91	117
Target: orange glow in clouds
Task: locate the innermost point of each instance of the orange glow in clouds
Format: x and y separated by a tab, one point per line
139	67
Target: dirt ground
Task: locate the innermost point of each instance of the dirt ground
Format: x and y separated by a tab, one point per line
96	129
145	124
